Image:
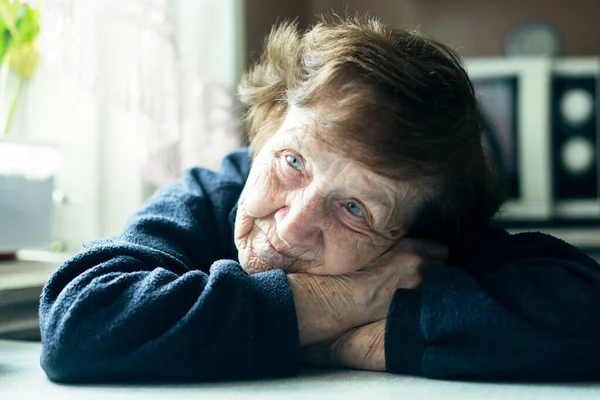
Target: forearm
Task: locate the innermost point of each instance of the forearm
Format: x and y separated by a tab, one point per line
454	328
122	320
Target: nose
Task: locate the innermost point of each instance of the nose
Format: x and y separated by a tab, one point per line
299	223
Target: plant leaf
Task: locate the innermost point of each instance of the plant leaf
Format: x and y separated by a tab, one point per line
4	38
28	25
22	58
19	28
9	13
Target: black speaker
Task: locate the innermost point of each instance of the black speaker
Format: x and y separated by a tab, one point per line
574	126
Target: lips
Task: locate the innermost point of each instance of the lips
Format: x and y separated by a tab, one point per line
269	255
275	253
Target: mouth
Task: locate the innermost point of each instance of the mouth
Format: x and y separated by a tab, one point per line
273	252
275	245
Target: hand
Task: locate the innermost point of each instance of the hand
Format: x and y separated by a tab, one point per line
413	260
358	348
327	306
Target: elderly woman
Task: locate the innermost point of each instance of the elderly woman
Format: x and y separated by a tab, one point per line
355	232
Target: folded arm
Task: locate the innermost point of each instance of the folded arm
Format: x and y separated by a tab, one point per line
529	311
143	306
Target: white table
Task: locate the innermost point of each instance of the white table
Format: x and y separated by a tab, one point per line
21	284
22	378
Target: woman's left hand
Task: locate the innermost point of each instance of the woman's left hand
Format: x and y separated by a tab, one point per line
359	348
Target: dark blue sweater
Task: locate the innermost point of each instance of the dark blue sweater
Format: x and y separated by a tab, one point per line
167	300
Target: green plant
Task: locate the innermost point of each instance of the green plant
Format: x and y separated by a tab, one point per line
19	29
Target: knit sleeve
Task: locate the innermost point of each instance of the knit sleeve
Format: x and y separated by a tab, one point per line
159	303
528	310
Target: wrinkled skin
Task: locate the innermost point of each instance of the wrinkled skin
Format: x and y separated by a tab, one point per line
306	208
337	230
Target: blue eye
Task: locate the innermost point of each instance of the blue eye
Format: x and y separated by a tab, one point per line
355	209
294	162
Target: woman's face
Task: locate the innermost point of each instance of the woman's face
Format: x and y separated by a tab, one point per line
306	208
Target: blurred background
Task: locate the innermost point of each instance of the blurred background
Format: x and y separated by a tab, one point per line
110	99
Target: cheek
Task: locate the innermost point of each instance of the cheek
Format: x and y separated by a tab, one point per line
259	199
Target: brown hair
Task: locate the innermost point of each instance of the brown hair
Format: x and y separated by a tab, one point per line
400	103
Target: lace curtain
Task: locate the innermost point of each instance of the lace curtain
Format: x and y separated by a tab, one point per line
124	51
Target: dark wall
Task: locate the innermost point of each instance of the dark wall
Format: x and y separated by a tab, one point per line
262	14
478	27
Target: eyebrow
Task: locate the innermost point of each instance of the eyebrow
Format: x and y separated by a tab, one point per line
370	195
384	203
293	137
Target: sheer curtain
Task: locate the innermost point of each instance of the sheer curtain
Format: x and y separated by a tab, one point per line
155	81
172	62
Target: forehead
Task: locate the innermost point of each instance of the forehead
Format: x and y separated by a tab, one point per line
299	129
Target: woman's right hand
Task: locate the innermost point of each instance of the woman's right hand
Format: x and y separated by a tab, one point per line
329	305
